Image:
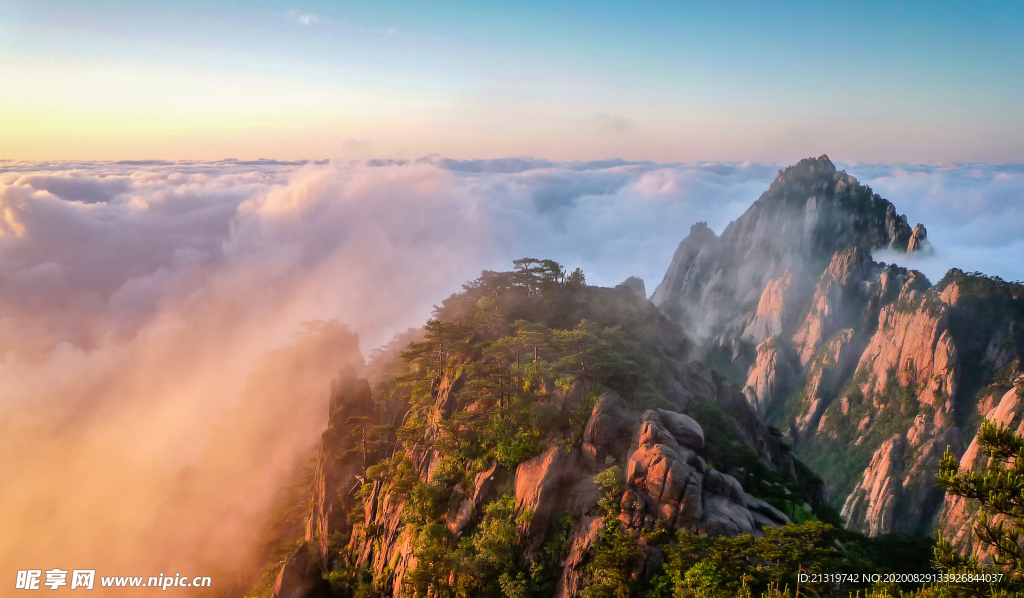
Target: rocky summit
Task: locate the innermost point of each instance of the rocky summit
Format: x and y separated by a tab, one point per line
808	214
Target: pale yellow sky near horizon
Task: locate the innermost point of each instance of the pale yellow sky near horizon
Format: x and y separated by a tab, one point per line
61	113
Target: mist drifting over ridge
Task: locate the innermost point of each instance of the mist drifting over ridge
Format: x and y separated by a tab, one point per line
136	297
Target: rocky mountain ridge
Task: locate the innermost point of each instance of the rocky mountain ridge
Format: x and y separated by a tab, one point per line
413	467
808	214
869	369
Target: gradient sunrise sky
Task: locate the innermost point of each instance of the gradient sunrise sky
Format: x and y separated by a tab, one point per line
862	81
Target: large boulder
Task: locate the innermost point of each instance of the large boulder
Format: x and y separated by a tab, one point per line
683	428
668	481
609	424
538	485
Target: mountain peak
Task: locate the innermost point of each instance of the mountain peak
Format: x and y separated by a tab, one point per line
811	212
808	167
819	164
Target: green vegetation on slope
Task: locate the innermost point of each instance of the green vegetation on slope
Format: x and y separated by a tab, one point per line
835	453
486	383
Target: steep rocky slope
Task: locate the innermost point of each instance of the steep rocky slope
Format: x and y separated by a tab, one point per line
498	433
868	369
810	212
960	514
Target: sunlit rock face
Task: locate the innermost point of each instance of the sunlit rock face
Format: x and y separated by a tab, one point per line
959	515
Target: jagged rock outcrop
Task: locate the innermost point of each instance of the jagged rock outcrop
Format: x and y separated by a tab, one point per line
668	481
583	535
915	364
485	485
825	374
379	543
335	479
538	485
636	285
302	576
927	443
919	239
772	377
609	424
775	309
913	344
387	551
899	482
838	299
337	474
685	281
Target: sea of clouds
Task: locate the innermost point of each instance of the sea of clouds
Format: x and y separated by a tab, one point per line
135	298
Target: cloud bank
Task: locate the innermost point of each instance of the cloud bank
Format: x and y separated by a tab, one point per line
974	214
136	297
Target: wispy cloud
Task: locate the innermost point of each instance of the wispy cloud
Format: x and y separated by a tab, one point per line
356	145
612	123
303	18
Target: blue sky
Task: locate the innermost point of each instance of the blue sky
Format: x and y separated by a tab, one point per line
870	81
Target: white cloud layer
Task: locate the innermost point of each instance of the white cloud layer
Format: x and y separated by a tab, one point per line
974	214
134	297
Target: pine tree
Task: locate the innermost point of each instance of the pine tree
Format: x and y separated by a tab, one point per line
1000	528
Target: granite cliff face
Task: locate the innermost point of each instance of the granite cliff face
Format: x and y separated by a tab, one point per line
668	483
959	515
391	474
868	368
